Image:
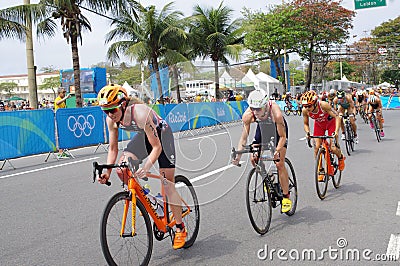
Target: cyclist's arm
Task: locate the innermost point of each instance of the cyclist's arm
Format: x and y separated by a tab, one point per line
113	143
246	119
306	121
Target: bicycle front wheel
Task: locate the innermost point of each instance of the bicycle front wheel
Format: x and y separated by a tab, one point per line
337	176
258	202
192	220
292	186
348	138
125	249
321	174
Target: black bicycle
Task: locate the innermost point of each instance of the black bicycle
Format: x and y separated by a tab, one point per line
376	128
289	108
263	190
349	133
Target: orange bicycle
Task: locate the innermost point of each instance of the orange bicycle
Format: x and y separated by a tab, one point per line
125	227
326	166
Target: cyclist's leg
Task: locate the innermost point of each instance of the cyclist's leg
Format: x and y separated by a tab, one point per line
318	131
352	116
341	111
166	161
280	166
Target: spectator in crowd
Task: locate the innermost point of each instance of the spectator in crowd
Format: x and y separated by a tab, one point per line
59	102
62	97
2	107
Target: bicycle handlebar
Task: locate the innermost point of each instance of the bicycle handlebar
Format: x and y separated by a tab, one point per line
252	148
317	137
133	164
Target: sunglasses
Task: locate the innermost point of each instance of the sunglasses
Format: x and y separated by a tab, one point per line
112	110
255	109
308	106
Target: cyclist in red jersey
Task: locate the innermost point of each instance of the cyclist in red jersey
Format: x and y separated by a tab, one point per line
326	119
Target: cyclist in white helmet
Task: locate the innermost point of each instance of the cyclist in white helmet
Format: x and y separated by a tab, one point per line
375	104
267	114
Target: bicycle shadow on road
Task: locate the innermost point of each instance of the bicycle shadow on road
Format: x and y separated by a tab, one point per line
346	188
308	215
206	249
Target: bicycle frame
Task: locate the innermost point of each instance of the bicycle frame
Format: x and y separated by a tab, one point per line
164	223
327	147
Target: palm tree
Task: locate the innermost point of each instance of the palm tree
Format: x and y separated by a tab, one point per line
73	23
148	37
16	23
216	36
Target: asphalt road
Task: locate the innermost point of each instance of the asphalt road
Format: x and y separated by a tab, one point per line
50	212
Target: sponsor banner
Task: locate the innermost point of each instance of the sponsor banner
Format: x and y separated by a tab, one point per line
25	133
177	116
77	127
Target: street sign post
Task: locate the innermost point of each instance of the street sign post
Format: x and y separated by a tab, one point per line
360	4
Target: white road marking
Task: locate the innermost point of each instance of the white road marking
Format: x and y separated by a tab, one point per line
213	172
393	248
303	138
398	209
49	167
208	136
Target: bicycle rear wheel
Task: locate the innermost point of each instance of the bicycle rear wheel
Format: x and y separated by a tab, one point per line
321	170
292	186
258	202
337	176
192	220
286	110
376	128
126	249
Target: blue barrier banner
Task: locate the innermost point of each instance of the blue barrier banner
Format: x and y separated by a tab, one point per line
394	102
238	108
177	116
201	115
25	133
77	127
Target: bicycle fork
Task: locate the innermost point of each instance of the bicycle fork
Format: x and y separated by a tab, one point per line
125	214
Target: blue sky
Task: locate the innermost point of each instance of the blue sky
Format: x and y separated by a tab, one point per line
56	52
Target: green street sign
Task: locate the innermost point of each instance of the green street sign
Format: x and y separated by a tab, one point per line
359	4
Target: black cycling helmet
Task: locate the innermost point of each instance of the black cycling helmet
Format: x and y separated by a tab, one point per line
340	94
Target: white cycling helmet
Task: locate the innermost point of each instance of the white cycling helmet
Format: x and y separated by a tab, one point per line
332	92
359	92
257	99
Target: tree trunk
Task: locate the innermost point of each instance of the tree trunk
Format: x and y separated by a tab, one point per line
158	78
309	70
33	98
77	70
176	82
216	80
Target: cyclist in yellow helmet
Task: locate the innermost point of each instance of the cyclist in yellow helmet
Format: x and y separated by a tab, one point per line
154	140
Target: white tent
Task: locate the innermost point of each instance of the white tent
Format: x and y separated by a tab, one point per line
272	83
384	85
131	91
262	81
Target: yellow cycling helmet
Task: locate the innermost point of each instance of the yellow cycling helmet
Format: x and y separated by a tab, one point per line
309	98
111	95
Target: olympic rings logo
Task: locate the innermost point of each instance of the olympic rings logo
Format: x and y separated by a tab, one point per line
81	125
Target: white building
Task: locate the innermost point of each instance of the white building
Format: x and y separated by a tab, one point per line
22	86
